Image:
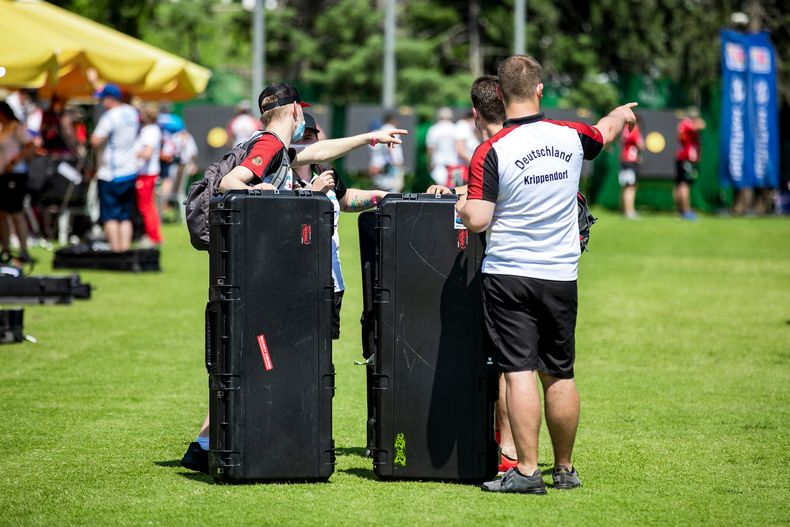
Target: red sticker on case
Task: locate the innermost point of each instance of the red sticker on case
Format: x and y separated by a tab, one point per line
463	239
267	359
307	234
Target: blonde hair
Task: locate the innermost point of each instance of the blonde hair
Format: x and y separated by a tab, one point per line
275	113
519	77
149	112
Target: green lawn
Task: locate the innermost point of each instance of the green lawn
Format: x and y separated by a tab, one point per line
683	367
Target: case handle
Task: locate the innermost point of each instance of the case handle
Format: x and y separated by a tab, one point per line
211	359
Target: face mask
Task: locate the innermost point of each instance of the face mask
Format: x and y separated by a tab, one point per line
299	132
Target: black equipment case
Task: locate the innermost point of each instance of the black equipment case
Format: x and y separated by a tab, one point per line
11	325
87	256
431	391
42	289
268	336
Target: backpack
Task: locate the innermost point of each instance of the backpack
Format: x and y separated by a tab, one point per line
586	220
201	192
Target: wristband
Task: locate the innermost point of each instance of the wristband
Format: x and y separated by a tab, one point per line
373	141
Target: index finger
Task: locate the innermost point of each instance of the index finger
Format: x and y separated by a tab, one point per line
631	104
399	131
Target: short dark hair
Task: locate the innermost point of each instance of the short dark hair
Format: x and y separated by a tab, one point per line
7	112
486	101
519	77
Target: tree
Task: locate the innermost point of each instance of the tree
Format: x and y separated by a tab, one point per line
589	50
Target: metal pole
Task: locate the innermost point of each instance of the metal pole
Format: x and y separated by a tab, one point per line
258	53
519	28
388	88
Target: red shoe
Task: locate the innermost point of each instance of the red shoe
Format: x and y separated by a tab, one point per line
505	463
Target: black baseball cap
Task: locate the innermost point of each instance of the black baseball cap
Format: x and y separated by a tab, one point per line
309	123
285	94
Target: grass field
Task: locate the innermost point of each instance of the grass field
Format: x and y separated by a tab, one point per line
683	367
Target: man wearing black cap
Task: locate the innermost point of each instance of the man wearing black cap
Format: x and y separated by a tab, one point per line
268	167
268	164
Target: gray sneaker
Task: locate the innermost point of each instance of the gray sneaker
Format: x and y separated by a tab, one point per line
565	478
514	481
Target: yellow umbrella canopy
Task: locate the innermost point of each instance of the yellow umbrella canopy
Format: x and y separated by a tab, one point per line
139	68
27	62
75	52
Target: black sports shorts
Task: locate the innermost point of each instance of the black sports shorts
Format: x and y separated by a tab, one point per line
336	305
685	172
12	192
531	323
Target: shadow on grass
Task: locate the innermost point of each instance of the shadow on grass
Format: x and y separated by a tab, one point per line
350	451
169	463
363	473
197	477
185	473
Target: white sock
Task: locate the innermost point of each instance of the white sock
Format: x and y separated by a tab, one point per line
202	441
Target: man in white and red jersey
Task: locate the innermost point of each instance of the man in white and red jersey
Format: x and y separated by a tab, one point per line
522	191
488	114
268	165
686	160
630	157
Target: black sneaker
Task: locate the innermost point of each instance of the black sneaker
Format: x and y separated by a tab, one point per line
195	458
515	481
565	478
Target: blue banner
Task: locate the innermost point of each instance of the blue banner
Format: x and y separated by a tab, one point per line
750	111
763	111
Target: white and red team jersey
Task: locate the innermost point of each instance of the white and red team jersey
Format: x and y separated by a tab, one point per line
530	170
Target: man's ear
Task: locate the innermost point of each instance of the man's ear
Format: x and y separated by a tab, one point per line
475	115
499	93
539	90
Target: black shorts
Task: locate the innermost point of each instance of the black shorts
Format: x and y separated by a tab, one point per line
531	323
12	192
685	172
338	302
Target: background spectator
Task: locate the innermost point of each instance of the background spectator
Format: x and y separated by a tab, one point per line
58	138
16	148
185	152
386	161
630	157
27	111
467	138
149	145
687	158
242	125
116	136
440	143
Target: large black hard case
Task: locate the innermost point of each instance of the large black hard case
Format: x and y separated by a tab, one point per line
430	387
12	322
42	289
86	256
268	337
